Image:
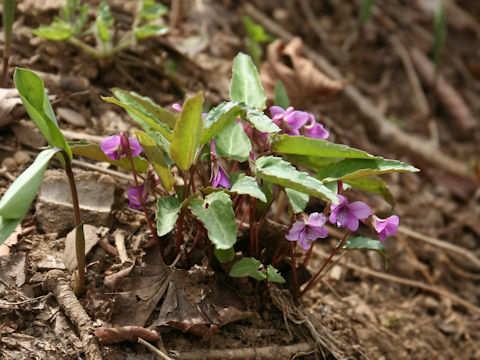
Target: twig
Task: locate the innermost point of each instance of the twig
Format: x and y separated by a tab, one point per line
266	352
407	282
441	244
57	283
386	131
119	237
108	248
153	349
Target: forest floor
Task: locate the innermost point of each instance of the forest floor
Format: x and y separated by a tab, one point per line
425	306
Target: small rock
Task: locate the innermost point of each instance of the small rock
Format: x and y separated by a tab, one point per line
54	205
9	163
27	134
72	117
21	157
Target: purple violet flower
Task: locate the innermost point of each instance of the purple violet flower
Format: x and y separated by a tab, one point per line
345	214
385	227
306	233
316	130
134	198
115	147
218	177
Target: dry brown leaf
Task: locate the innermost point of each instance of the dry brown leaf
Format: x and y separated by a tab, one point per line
303	81
9	99
11	241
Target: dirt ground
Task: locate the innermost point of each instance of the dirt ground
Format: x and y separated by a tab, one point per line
425	306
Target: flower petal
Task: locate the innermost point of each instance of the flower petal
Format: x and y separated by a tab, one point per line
276	110
297	119
110	146
317	132
305	244
135	146
295	231
316	219
359	209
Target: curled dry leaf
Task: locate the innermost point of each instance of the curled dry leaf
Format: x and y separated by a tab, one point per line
12	240
9	99
303	81
108	336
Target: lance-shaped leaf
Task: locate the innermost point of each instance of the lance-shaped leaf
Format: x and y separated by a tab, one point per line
218	118
148	30
248	266
93	151
302	145
32	92
216	214
155	156
151	10
373	184
141	116
149	106
297	200
280	172
57	30
168	208
187	133
281	96
224	255
363	243
232	142
242	184
356	168
16	201
246	86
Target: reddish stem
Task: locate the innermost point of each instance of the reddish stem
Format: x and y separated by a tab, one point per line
314	279
234	167
280	258
244	216
195	241
142	203
294	269
253	233
309	254
239	205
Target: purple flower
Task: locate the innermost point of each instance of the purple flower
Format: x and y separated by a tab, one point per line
115	147
134	198
306	233
316	130
385	227
345	214
218	176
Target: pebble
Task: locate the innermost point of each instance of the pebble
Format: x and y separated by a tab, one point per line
21	157
9	163
72	117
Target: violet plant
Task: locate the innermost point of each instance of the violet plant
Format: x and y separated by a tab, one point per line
210	172
73	26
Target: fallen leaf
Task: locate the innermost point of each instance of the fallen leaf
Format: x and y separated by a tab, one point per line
11	241
303	81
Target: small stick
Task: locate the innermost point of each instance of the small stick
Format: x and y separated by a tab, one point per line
108	248
153	349
119	237
266	352
57	283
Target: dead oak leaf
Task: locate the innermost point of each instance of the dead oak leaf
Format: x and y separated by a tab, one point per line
303	81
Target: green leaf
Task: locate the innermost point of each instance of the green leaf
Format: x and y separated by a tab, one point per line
315	163
148	106
168	208
150	10
280	172
104	21
363	243
148	30
373	184
254	31
216	214
93	151
155	156
258	119
248	266
242	184
365	11
57	30
302	145
297	200
274	276
356	168
232	142
32	92
81	19
281	96
440	32
246	86
187	133
141	116
224	255
17	199
218	118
